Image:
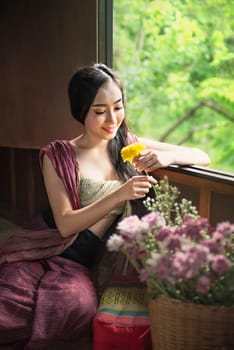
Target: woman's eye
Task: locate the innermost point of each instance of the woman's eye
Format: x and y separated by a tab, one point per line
100	112
117	108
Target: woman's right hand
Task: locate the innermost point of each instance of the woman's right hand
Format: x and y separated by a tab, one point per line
136	187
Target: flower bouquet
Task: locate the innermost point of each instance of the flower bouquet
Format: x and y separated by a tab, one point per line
181	258
178	253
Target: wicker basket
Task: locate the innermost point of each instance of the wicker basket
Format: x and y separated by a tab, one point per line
176	325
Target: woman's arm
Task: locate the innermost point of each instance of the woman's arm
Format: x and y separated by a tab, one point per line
160	154
69	221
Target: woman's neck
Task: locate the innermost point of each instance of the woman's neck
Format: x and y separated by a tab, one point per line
87	143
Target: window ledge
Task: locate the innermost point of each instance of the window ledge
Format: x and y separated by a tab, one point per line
204	172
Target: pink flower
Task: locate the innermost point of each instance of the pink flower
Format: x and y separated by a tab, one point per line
212	245
225	228
218	237
180	231
202	254
191	266
179	264
128	224
146	273
174	243
192	229
201	223
115	243
131	228
163	268
163	233
203	284
192	271
220	264
198	253
154	219
188	262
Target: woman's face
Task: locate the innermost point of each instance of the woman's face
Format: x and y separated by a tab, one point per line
106	113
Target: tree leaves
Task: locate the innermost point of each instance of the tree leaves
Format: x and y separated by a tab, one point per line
171	56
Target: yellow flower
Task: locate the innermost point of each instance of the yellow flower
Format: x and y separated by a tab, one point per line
128	153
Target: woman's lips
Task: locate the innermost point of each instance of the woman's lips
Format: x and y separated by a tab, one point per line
109	130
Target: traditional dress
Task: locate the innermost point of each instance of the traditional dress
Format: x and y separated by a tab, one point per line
44	297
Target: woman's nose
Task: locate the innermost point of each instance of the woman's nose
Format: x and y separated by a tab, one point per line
111	116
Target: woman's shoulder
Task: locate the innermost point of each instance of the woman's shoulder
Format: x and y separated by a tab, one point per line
56	143
63	158
58	150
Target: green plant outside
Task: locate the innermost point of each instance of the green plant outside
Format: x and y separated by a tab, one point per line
176	60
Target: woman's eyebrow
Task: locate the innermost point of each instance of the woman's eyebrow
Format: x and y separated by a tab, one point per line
105	104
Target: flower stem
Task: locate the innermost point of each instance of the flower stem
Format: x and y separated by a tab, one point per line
155	192
133	262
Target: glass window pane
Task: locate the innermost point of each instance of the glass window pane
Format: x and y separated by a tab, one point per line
176	61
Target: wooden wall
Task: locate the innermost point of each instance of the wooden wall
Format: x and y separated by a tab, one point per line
21	185
42	44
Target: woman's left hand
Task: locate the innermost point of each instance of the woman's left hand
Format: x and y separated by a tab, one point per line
150	160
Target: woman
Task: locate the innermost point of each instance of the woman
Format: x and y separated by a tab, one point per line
46	291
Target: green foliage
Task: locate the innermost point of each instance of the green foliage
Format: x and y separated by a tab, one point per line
171	55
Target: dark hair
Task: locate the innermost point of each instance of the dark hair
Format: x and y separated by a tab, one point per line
82	90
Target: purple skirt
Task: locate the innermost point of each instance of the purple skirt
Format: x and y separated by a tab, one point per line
43	301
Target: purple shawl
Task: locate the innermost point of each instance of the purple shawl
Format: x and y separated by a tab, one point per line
28	244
